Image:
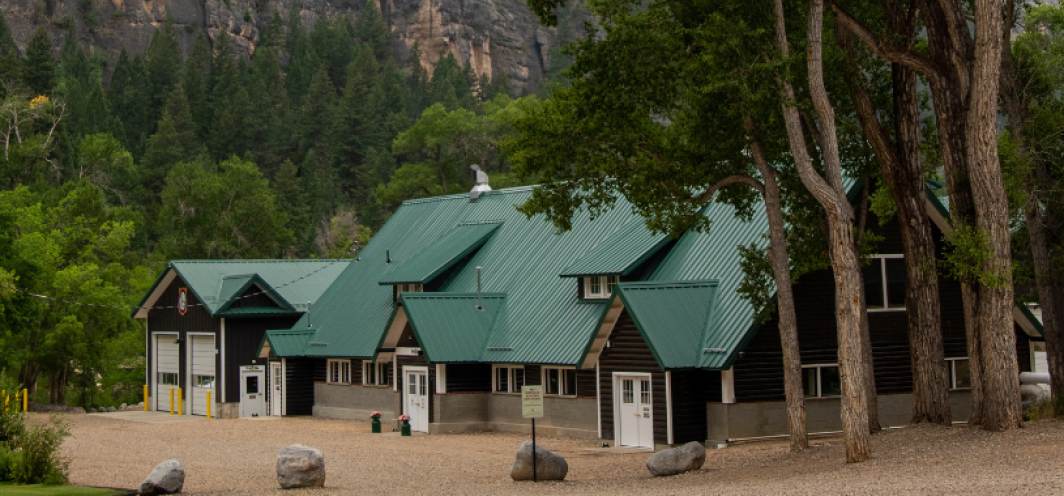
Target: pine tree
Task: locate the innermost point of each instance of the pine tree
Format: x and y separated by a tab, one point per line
128	97
292	200
165	149
501	85
38	72
358	125
371	28
194	81
332	42
302	62
417	84
81	87
316	113
10	73
273	36
268	139
163	63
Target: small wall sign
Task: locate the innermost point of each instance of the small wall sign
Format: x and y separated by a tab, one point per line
182	301
532	402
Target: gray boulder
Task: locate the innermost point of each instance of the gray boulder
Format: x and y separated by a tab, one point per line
92	409
674	461
122	407
110	409
300	466
549	466
166	478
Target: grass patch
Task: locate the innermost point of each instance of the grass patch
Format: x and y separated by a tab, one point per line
8	489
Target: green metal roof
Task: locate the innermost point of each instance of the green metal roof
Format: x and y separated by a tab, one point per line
542	321
295	282
441	254
232	287
449	326
286	343
673	317
255	312
619	254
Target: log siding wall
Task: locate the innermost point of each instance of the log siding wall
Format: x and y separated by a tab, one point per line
628	352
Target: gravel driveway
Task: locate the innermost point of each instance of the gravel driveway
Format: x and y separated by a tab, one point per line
238	456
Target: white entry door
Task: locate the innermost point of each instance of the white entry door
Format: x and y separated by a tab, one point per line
203	357
252	391
417	397
635	411
167	356
275	389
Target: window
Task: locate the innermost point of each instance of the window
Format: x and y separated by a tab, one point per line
884	283
339	371
251	384
559	381
376	373
960	376
508	378
821	381
409	288
167	378
600	286
204	381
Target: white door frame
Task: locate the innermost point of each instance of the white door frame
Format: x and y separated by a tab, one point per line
617	405
275	394
155	366
187	390
424	369
249	370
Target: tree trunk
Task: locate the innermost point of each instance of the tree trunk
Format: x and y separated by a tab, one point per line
28	374
830	194
788	323
1001	393
1016	109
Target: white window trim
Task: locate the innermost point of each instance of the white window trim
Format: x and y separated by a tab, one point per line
380	370
880	259
561	381
412	287
345	371
952	377
820	379
509	379
604	283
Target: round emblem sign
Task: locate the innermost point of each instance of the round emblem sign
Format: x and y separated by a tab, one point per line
182	300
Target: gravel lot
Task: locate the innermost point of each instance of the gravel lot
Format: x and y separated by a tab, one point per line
238	456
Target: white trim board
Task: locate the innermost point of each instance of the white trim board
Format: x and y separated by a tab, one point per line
142	313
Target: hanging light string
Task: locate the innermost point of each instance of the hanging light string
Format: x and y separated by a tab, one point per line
167	307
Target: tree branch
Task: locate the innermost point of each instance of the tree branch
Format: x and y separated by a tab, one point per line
732	179
907	57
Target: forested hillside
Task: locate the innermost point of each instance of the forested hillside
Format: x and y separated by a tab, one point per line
297	150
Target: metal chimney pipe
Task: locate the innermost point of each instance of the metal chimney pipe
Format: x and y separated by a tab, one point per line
480	303
308	314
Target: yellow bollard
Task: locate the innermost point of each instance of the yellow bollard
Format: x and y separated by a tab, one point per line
146	397
171	401
208	405
180	402
25	400
5	402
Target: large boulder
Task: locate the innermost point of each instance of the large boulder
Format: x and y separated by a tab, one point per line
549	466
300	466
674	461
166	478
110	409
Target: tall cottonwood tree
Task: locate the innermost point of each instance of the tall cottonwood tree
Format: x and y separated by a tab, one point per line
962	67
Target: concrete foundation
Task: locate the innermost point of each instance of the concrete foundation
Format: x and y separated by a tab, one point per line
472	412
734	421
226	410
355	402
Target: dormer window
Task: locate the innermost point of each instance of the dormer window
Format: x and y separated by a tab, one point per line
599	287
409	288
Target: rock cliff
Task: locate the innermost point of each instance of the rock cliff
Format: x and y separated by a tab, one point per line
489	35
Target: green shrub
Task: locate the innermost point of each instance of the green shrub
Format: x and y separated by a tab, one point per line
1041	409
40	462
9	459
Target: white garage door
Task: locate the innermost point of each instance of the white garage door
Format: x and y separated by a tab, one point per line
202	374
166	370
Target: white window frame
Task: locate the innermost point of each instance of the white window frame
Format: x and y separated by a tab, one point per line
510	376
412	287
562	372
820	379
881	260
951	378
606	286
343	371
380	373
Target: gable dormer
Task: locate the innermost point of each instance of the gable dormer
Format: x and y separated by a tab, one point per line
429	266
249	295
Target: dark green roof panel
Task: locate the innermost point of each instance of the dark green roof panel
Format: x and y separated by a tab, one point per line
449	326
673	318
619	254
439	255
287	343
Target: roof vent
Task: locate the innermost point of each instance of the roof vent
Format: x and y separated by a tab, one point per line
714	350
500	348
319	344
481	182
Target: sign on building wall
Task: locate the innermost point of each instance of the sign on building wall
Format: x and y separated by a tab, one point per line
182	300
532	402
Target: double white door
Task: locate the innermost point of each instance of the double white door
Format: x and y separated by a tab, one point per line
416	388
635	411
167	368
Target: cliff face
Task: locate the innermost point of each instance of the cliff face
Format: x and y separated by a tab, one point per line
489	35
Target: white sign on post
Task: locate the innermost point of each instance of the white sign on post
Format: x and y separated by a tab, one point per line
532	402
